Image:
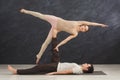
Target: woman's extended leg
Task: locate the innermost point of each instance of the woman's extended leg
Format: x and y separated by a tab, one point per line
49	18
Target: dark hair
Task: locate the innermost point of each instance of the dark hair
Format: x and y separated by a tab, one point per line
90	69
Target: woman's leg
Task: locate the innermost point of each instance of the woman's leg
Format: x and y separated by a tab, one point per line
44	46
49	18
52	33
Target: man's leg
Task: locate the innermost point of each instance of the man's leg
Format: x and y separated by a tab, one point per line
55	54
39	69
45	68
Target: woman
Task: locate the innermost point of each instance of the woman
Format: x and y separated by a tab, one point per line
57	25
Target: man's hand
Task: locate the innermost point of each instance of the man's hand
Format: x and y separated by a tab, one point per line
51	73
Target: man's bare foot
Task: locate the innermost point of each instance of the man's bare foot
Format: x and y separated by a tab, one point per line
11	69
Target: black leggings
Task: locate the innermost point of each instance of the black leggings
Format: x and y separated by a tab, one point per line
44	68
39	69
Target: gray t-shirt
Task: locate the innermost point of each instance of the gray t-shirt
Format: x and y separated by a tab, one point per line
66	66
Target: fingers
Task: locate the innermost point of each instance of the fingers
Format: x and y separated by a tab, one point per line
50	73
56	49
104	25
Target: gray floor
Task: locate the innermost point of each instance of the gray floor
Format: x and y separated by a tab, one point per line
112	73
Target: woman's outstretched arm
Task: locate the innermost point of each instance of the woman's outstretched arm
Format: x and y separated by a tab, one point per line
92	23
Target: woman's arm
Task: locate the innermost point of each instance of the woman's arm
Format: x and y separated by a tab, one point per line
92	23
66	40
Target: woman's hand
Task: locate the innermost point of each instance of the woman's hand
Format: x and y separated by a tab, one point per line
103	25
56	48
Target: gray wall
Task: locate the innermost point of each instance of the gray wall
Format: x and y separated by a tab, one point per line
21	35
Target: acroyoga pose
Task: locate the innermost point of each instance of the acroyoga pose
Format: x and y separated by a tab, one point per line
55	67
57	25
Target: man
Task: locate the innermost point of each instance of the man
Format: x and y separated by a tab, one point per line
55	67
57	25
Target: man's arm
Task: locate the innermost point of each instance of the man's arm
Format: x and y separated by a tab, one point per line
92	23
61	72
66	40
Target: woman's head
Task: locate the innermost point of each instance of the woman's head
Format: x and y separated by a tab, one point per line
83	28
87	68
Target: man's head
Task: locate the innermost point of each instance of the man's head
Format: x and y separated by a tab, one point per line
87	68
83	28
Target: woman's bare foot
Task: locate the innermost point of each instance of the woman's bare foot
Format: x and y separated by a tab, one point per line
23	11
37	60
11	69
